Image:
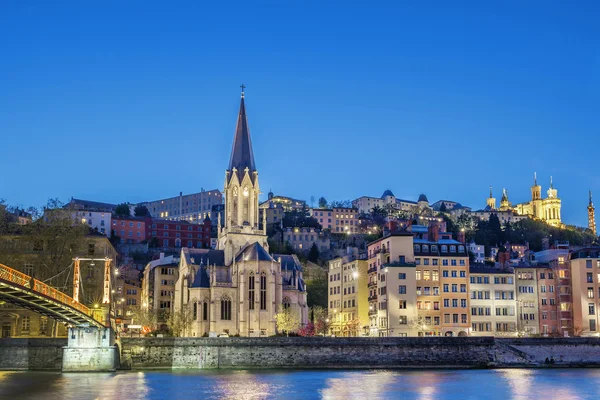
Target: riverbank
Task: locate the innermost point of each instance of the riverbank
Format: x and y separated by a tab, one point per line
316	353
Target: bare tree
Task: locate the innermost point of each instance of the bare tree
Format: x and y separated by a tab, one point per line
180	321
287	321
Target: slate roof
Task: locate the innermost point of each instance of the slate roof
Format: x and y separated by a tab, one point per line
288	262
91	205
253	252
388	192
201	280
242	156
422	197
204	256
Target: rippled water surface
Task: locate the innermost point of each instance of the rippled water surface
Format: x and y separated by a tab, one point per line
557	384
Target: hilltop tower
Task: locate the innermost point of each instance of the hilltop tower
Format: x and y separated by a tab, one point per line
591	215
504	203
491	201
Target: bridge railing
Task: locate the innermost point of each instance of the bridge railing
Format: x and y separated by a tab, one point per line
21	279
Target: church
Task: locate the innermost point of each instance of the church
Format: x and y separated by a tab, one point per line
544	209
239	287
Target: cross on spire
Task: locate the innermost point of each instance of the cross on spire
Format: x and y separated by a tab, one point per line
243	87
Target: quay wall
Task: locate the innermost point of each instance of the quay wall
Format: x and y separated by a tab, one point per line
297	352
32	354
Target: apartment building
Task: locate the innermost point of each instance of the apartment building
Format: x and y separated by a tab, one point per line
493	304
446	260
194	207
527	299
348	296
158	285
302	239
585	280
338	220
392	286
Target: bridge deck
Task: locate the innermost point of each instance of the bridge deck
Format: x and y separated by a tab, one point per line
21	289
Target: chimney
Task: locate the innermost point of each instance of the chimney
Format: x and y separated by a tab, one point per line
433	233
162	255
460	236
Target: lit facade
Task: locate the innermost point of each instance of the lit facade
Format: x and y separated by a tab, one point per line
338	220
493	302
348	296
194	207
585	280
239	287
302	239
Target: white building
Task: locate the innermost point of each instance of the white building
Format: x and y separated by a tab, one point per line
478	251
493	302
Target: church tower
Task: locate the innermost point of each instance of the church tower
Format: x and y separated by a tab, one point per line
504	203
536	199
491	201
591	216
241	194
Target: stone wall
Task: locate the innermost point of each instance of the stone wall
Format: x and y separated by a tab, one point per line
31	354
198	353
146	353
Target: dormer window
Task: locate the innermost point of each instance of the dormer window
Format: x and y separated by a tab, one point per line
452	249
425	248
461	249
417	248
434	248
444	248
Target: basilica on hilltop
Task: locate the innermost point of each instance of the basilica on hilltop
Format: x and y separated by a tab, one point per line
239	287
547	209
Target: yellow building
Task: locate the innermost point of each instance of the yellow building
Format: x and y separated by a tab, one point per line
348	296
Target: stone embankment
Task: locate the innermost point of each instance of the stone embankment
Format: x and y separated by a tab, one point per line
228	353
484	352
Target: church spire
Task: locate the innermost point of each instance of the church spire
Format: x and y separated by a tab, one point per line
242	156
491	192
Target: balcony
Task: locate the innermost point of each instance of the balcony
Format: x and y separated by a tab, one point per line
372	269
372	284
374	297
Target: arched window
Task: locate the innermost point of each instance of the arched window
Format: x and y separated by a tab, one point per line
205	310
226	308
263	291
195	311
251	284
177	242
286	303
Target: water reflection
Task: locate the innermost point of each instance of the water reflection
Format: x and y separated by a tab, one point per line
571	384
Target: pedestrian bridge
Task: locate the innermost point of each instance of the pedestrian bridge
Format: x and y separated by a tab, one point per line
25	291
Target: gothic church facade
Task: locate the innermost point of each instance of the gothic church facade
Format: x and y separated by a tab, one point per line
239	287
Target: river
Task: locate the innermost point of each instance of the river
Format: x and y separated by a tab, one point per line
555	384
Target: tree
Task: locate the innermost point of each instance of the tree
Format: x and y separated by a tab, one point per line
300	219
146	317
320	320
181	320
341	204
308	330
316	291
322	202
122	210
141	211
313	254
287	320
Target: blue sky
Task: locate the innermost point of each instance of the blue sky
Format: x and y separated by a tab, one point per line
137	100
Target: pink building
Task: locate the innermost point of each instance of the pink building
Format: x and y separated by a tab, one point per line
129	229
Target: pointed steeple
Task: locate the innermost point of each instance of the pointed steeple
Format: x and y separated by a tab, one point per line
491	193
591	203
551	186
534	174
242	156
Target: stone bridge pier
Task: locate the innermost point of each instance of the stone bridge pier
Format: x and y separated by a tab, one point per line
90	349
